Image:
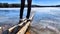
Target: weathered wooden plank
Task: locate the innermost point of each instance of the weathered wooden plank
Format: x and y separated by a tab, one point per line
23	24
10	29
23	30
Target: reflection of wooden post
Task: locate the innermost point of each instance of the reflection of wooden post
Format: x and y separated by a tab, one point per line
29	8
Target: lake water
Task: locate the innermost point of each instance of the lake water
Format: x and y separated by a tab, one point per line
43	17
46	18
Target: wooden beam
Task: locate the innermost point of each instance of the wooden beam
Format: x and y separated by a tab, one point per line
23	30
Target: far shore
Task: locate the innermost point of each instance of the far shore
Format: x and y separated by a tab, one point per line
9	8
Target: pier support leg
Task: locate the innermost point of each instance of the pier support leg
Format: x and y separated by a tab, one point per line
22	9
29	8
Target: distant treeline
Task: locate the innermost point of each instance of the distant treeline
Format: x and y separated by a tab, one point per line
6	5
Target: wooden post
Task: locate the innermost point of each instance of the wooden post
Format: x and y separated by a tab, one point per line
29	8
21	10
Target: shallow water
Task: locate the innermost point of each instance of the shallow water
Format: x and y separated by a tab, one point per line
46	18
43	17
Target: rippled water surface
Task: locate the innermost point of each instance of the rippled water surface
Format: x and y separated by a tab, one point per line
45	20
44	17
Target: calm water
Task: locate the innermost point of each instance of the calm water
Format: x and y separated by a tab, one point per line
10	16
43	16
48	18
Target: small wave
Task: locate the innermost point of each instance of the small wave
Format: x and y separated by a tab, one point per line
46	29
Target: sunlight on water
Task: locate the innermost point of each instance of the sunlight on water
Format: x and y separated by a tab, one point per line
45	20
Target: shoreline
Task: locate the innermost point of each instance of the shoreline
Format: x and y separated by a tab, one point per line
9	8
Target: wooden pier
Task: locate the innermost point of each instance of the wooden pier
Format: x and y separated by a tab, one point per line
23	26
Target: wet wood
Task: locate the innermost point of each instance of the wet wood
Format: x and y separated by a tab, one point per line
28	32
23	30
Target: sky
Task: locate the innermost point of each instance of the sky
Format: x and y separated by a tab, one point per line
35	2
